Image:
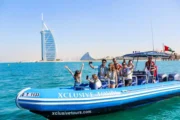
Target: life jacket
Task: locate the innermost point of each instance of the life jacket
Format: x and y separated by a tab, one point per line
155	72
150	65
119	65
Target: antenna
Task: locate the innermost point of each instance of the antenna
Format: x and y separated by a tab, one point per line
43	24
42	21
152	35
42	16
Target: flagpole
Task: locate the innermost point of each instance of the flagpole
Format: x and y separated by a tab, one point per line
153	49
152	35
163	47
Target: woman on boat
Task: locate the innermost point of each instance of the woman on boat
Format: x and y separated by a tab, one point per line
126	73
95	81
76	76
111	76
118	70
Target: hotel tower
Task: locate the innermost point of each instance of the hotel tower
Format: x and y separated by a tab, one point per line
48	46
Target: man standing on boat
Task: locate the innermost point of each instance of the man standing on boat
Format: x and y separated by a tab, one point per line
151	68
116	63
102	69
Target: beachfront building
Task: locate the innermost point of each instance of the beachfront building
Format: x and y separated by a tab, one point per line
48	46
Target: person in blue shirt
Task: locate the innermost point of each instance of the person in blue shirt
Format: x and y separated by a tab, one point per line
102	69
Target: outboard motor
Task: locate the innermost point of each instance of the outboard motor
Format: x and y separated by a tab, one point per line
173	76
162	77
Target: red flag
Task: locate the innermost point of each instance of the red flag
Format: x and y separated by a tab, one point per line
166	48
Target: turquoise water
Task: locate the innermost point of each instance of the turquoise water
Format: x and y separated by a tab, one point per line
14	77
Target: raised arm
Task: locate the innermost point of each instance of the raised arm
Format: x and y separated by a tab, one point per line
82	67
90	80
90	64
87	78
69	70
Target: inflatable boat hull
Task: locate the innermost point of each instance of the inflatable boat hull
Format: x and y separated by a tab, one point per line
67	103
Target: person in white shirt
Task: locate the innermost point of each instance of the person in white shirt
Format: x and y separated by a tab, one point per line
126	73
95	81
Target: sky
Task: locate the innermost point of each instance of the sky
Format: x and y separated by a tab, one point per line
101	27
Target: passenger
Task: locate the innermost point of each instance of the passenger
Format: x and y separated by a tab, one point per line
150	68
124	61
76	76
95	81
131	67
130	64
118	70
126	73
102	69
112	76
116	63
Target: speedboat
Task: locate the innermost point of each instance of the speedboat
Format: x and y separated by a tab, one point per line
65	103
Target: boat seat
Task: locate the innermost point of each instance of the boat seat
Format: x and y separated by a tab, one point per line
91	85
141	79
79	88
120	83
143	82
104	85
82	86
134	81
150	79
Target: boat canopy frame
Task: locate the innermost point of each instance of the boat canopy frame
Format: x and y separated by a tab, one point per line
146	54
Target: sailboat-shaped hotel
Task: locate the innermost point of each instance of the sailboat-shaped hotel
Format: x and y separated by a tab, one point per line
48	46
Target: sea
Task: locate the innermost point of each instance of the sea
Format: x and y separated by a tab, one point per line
16	76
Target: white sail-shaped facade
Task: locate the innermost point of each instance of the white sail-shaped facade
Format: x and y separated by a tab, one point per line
48	46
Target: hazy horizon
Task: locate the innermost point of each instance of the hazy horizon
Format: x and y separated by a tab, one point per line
101	27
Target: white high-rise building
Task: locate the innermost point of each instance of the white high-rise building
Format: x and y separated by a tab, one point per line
48	46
